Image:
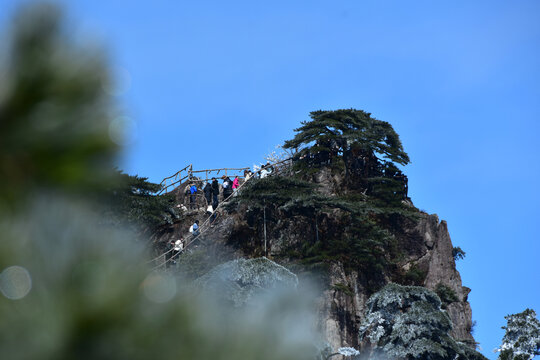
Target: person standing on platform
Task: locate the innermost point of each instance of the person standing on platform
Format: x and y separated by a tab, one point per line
215	193
207	189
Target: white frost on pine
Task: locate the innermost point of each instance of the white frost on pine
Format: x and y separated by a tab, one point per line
242	280
407	322
522	337
348	351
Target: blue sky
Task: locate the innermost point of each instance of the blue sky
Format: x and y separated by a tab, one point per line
219	84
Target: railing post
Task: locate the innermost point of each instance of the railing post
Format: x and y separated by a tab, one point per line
264	212
290	168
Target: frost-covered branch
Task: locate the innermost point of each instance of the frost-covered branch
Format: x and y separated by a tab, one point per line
345	351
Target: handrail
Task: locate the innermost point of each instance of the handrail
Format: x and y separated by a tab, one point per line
175	174
163	184
212	170
189	168
164	188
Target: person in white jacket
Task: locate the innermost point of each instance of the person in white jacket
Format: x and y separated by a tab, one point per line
264	172
194	229
178	246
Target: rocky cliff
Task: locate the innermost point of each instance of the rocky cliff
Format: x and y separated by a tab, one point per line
423	244
343	303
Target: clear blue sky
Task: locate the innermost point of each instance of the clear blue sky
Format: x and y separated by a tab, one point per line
220	83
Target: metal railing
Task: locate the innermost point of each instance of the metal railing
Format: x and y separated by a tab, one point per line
174	179
172	182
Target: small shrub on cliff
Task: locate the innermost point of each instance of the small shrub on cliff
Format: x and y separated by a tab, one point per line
414	276
446	294
458	253
344	288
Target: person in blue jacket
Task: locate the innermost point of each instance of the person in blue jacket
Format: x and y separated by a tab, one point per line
193	196
195	228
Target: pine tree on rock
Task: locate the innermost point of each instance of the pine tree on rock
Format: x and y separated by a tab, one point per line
352	134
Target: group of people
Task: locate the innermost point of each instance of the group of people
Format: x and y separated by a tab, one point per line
211	190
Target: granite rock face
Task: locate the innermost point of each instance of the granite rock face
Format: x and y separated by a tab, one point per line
429	249
441	269
341	308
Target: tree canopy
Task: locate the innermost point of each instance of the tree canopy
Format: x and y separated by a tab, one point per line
133	203
361	210
54	115
347	131
408	322
522	338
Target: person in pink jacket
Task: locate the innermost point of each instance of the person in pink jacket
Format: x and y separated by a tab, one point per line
235	183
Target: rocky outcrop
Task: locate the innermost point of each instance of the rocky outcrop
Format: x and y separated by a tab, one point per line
440	267
341	308
426	260
429	252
